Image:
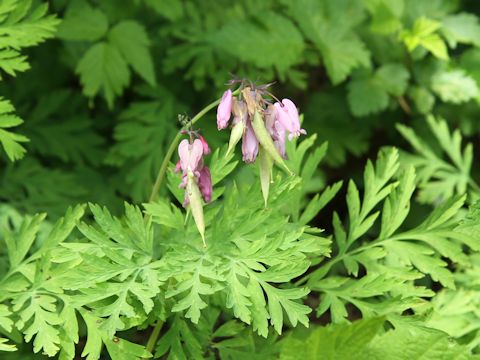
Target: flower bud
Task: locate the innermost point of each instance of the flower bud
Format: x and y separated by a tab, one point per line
235	136
287	115
249	144
178	167
205	184
224	110
206	148
266	141
194	200
276	130
265	166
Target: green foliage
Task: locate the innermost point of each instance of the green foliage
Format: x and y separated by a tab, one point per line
22	26
366	339
408	254
105	65
444	168
389	273
424	34
11	141
370	93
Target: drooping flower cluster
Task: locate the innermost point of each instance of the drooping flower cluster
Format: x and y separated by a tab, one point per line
278	119
260	123
196	178
191	160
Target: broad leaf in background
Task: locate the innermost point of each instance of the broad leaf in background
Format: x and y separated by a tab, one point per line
367	339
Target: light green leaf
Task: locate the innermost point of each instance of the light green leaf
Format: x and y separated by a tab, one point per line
4	346
10	141
454	86
461	28
424	33
22	26
332	342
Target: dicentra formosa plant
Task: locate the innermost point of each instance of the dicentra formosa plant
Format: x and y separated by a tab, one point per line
260	120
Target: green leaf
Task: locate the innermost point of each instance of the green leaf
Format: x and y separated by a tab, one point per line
82	22
424	33
131	39
4	346
276	41
470	225
422	98
19	245
341	48
121	284
386	15
332	342
366	96
11	141
454	86
22	26
394	78
443	173
165	213
172	11
418	343
180	341
118	349
12	62
461	28
369	94
366	339
193	286
103	68
407	254
40	313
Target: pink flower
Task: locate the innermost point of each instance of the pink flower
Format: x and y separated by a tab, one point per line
276	130
205	184
279	139
190	155
249	144
206	148
178	167
224	110
287	115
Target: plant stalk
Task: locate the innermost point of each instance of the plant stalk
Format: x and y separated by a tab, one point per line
171	149
152	340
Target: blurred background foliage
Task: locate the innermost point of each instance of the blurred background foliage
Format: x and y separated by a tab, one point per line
100	101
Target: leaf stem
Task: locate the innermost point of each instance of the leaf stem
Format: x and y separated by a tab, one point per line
308	278
171	149
152	340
